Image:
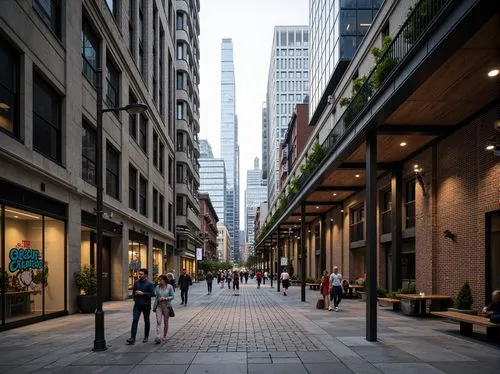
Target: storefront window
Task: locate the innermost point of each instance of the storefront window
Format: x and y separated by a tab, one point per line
158	249
32	269
137	259
189	265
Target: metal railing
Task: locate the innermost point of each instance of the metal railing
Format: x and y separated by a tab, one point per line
420	21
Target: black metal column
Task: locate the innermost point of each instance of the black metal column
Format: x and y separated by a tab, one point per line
303	251
322	239
396	225
371	236
271	262
278	260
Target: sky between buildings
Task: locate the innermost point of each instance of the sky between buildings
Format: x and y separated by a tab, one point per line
250	24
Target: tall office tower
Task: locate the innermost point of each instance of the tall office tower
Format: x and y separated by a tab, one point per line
51	56
213	180
229	141
187	128
265	140
343	26
287	85
255	194
205	149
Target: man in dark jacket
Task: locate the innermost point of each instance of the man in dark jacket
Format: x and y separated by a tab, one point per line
209	280
184	283
142	292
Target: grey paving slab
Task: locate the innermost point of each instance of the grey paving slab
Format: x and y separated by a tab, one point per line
217	369
486	367
355	341
259	360
384	354
106	358
308	357
165	358
277	369
160	369
286	360
408	368
220	358
323	368
96	369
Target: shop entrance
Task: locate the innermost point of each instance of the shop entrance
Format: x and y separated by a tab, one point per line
89	257
492	253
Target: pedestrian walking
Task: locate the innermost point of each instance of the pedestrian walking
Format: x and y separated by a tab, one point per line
184	283
164	293
285	281
236	283
246	276
142	292
258	276
218	277
265	277
222	280
210	279
326	289
229	279
241	276
336	288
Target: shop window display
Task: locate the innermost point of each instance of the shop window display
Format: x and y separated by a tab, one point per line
138	259
157	260
32	264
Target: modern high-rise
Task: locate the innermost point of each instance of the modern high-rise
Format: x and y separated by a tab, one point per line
255	194
52	54
187	113
336	32
287	85
229	141
213	180
265	140
205	149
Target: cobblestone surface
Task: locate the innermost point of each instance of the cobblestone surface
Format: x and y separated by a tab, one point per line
250	322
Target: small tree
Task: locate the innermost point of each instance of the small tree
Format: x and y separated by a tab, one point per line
464	298
86	280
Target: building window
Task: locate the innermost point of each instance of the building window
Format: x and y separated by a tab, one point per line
180	51
386	211
141	62
180	21
131	8
357	224
155	205
9	89
161	212
113	82
180	110
143	133
161	158
410	204
180	206
155	55
170	218
143	196
170	170
132	187
89	143
50	12
132	119
90	53
112	5
180	80
162	70
46	120
112	172
155	149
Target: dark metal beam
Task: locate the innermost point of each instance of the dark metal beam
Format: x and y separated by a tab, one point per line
371	236
340	188
303	253
278	261
307	214
396	226
425	130
329	203
362	165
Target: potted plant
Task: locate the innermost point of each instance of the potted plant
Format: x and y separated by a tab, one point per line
86	282
463	301
408	307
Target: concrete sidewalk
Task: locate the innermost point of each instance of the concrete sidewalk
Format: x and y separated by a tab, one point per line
260	331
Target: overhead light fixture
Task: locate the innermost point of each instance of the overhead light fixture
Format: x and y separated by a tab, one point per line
341	210
365	24
402	144
308	230
21	214
493	73
317	207
490	147
357	175
331	219
16	216
334	194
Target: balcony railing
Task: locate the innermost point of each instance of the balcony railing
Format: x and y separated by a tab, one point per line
357	232
421	20
386	222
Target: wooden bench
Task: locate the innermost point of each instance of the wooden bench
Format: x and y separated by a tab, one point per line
390	300
467	320
313	286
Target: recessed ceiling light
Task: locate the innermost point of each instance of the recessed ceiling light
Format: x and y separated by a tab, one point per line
357	175
415	166
317	207
493	73
402	144
341	210
308	230
300	219
331	219
334	194
490	147
16	216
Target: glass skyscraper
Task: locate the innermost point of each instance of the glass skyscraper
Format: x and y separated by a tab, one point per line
255	194
287	85
229	142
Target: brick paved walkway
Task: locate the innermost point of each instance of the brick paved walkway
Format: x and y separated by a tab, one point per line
250	322
258	332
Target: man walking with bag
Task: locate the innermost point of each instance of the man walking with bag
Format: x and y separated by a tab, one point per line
142	292
184	283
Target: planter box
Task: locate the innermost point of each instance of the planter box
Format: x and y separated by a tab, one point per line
408	307
464	311
87	304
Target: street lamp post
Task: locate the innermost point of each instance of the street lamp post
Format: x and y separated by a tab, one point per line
132	108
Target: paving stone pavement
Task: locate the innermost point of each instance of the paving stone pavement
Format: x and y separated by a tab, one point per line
259	331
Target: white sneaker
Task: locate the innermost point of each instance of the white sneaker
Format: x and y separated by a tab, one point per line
336	308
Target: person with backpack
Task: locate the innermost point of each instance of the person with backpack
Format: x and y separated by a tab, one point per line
336	288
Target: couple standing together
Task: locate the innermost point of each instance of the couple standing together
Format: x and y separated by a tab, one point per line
142	293
332	288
